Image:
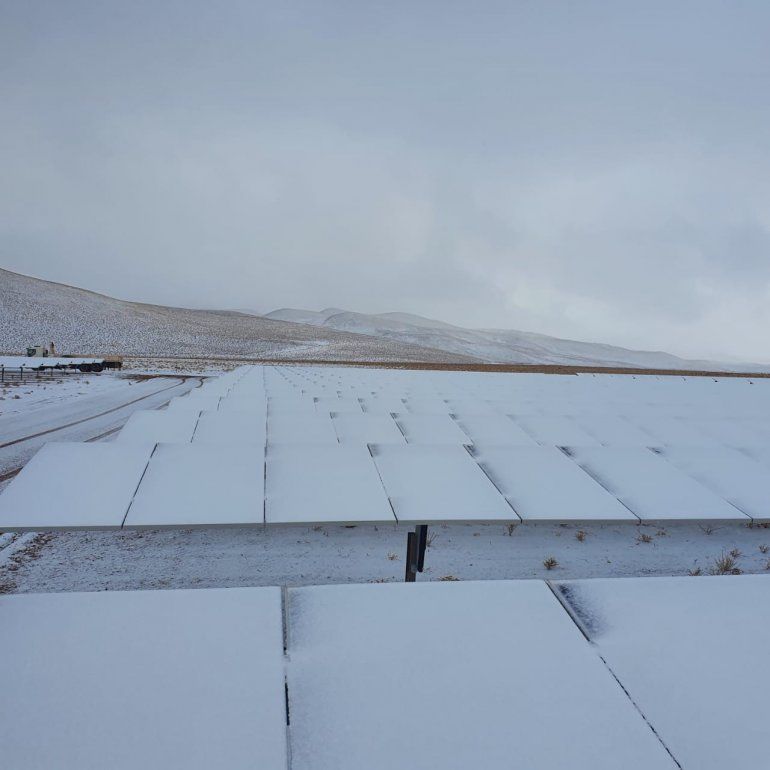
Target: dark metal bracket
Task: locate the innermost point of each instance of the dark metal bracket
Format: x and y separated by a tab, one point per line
416	543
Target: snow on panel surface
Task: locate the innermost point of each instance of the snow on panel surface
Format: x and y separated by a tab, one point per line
613	430
150	679
71	486
431	429
490	675
543	483
243	404
692	653
287	428
674	431
429	483
556	430
382	405
195	402
497	430
327	404
155	427
230	428
367	429
318	483
651	486
737	478
200	484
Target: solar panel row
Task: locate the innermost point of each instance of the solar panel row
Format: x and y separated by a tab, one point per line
302	445
497	676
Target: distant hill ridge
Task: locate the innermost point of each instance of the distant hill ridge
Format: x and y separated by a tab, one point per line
495	345
34	311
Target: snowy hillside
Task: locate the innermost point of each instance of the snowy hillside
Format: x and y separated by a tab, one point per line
83	322
493	345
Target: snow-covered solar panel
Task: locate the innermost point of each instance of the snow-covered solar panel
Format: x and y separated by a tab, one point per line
431	429
230	428
243	404
388	405
367	429
491	675
285	428
426	405
196	403
555	430
650	486
613	430
732	475
674	431
435	483
737	433
692	654
151	679
189	485
74	486
542	483
314	483
290	405
494	430
327	404
154	427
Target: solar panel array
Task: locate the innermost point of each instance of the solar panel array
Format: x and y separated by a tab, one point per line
294	444
451	675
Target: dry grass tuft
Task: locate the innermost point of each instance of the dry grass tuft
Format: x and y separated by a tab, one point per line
580	535
764	548
392	556
725	565
449	578
550	562
694	572
510	528
643	537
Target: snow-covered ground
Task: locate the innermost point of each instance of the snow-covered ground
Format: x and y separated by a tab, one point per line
288	555
325	553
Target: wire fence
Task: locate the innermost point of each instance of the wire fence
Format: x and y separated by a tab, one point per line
21	374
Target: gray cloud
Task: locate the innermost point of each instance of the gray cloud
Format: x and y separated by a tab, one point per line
593	170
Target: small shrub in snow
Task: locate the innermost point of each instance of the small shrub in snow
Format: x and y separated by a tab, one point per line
510	528
725	565
764	548
448	578
580	535
550	562
735	553
392	556
694	572
643	537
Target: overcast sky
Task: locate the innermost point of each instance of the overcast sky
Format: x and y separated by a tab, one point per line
590	170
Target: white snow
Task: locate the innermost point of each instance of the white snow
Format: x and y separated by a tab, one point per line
153	427
226	427
453	676
429	483
651	487
367	429
692	653
497	430
288	428
75	486
151	679
200	484
431	429
315	483
542	483
732	475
